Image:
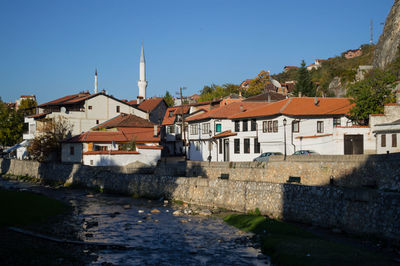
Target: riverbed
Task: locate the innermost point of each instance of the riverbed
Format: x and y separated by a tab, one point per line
146	232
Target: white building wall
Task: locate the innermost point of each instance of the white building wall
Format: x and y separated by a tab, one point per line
67	157
146	156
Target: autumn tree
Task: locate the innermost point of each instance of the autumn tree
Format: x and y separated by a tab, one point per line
27	106
11	125
47	143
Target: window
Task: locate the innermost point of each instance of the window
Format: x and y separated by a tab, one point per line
97	122
100	148
90	107
237	126
320	126
205	128
246	146
383	140
171	129
71	150
194	129
253	125
256	146
218	128
275	125
171	113
245	125
220	146
296	126
336	122
117	109
394	140
237	145
270	126
91	162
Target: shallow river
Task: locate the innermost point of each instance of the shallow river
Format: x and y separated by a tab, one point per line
152	238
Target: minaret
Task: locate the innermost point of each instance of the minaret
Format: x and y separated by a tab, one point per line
142	83
95	82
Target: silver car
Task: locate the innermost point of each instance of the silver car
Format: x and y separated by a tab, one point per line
305	152
264	157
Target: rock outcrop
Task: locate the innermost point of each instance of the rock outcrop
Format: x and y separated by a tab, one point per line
389	41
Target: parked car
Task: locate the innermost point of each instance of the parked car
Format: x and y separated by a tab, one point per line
305	152
264	157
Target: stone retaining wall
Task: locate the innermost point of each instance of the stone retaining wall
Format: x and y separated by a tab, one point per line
356	210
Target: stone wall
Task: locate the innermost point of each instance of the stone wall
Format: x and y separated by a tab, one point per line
374	171
355	210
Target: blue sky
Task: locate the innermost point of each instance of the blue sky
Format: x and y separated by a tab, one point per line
51	48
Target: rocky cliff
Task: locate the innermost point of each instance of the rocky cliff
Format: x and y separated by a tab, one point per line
389	41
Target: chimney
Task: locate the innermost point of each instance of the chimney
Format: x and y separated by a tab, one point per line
269	97
316	100
299	94
155	130
241	108
139	99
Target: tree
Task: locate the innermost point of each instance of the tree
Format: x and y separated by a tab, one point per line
11	125
27	106
169	99
304	84
258	84
371	94
47	143
212	92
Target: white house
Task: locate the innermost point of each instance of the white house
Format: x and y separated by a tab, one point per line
120	141
241	132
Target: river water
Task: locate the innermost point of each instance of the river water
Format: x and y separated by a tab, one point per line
149	233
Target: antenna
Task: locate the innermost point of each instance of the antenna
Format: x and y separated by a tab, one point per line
371	41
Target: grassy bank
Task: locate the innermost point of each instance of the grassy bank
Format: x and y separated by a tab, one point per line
25	209
288	244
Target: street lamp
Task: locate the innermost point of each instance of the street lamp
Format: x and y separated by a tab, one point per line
284	136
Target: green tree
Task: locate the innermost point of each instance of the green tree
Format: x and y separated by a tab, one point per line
169	99
304	84
371	94
27	106
258	84
11	125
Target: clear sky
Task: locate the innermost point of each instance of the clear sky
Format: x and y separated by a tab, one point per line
51	48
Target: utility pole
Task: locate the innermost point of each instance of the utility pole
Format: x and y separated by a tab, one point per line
183	121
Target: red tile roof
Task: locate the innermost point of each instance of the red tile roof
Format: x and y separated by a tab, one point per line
148	105
109	152
37	115
147	147
227	110
169	120
133	102
126	120
301	106
224	134
141	135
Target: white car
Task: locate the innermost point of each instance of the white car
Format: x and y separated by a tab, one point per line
264	157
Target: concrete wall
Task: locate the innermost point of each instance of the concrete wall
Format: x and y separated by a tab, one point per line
355	210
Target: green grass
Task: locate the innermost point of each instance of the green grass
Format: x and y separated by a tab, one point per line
288	244
23	208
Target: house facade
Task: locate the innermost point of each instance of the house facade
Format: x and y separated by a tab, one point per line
120	141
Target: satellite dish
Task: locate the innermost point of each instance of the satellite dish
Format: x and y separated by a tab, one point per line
63	110
275	83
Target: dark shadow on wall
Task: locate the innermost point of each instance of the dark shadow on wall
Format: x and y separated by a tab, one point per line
362	200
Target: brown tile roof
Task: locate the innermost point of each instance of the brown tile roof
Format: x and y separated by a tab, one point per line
169	120
301	106
109	152
314	136
37	115
227	110
224	134
69	99
133	102
125	120
148	105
